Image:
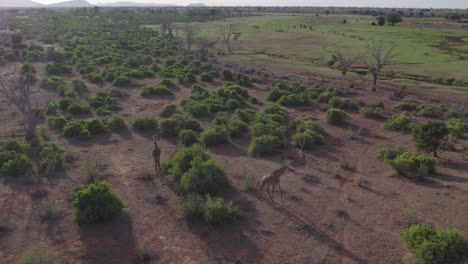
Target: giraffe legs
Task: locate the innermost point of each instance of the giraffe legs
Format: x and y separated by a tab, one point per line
273	191
268	190
281	191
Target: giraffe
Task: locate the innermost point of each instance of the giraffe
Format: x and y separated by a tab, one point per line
273	179
156	154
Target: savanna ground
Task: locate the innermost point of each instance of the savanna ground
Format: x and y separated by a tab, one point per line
325	216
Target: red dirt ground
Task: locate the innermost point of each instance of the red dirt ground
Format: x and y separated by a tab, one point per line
325	216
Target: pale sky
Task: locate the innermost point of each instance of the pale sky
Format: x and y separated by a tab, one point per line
356	3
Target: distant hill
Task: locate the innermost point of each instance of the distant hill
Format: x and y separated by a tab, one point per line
18	3
72	3
124	4
197	5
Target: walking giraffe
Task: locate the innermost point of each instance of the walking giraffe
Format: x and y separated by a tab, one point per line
274	179
156	155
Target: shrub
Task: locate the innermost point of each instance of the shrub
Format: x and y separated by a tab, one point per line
227	75
246	115
390	153
370	112
197	109
39	255
237	127
399	122
336	116
17	164
264	145
293	100
308	134
217	212
168	83
76	128
78	109
187	137
57	122
435	245
413	165
428	111
51	158
170	127
457	127
96	203
192	205
215	135
196	171
120	81
145	123
96	126
206	77
345	104
79	86
325	97
160	90
168	110
406	106
116	123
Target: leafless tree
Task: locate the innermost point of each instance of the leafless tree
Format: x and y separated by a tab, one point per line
189	37
345	62
20	93
227	36
379	55
166	26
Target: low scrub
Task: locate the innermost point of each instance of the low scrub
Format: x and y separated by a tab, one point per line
161	90
398	122
168	110
373	110
412	165
390	153
171	127
457	127
435	245
13	158
217	212
187	137
85	129
39	255
116	123
196	171
145	123
309	133
336	116
96	203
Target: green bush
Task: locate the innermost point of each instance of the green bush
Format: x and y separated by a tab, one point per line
96	126
79	86
116	123
187	137
246	115
325	97
160	90
415	166
390	153
168	110
264	145
120	81
293	100
215	135
17	164
406	106
308	133
206	77
197	109
78	109
435	245
227	75
192	205
84	129
428	111
170	127
345	104
268	131
39	255
57	122
398	122
457	127
336	116
168	83
217	212
145	123
236	127
96	203
51	158
195	170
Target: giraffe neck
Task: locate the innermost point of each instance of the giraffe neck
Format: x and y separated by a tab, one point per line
279	172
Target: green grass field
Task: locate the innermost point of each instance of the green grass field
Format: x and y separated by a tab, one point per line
424	51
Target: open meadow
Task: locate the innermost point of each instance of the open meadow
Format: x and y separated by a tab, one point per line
137	136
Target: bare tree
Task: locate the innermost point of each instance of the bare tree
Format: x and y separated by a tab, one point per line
166	26
379	56
20	92
189	37
345	62
227	35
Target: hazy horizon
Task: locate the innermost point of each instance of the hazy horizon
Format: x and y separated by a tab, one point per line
352	3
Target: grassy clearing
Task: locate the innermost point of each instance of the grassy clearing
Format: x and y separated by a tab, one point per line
269	38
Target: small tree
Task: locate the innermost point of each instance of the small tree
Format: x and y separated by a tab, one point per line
20	93
189	37
227	36
381	20
379	56
394	18
345	62
430	136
